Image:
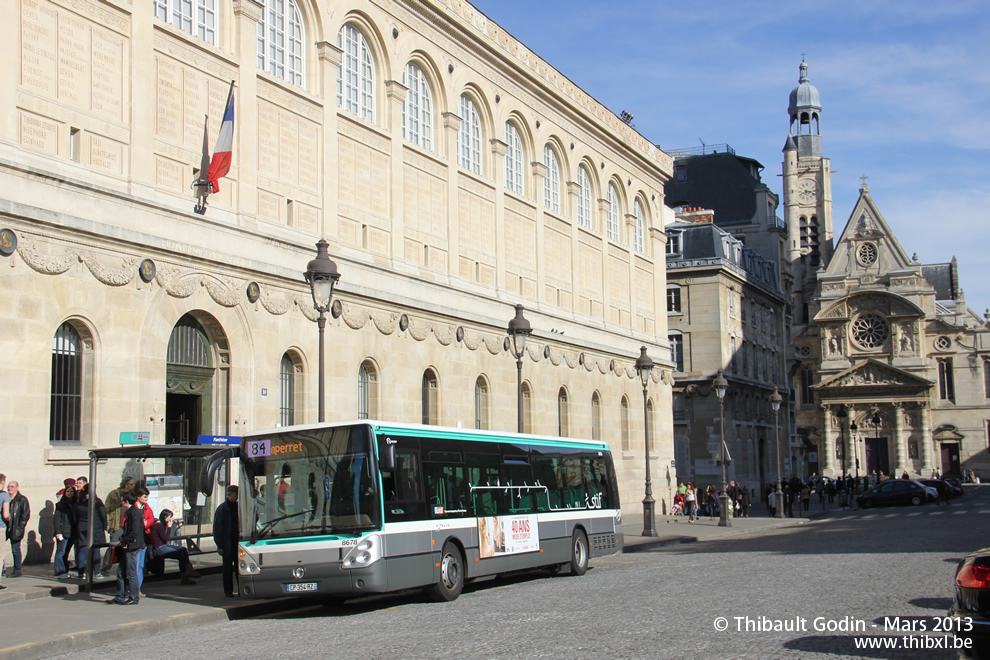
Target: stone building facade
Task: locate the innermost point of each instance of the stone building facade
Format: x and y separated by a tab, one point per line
891	369
453	172
725	310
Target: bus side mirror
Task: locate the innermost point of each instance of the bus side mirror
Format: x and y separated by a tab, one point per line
386	463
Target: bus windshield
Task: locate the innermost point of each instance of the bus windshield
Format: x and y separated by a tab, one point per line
308	483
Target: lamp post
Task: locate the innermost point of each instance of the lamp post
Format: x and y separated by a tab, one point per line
775	401
644	365
519	331
843	415
721	385
321	274
876	424
854	443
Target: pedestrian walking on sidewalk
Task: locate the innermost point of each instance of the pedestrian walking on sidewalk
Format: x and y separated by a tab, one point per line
115	515
691	502
19	512
64	528
4	514
131	542
225	534
745	501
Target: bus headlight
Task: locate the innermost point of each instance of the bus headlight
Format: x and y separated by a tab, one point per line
245	563
365	553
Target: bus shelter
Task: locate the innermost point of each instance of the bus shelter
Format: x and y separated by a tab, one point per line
188	479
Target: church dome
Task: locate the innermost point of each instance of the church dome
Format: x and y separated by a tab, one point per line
805	95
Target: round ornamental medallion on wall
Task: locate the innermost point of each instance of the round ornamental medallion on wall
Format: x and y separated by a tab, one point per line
146	270
505	344
8	242
460	334
546	352
943	344
336	309
253	292
867	254
870	331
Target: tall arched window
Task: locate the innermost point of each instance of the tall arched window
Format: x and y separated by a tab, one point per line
417	109
469	137
596	417
624	422
639	230
65	423
562	415
356	74
513	159
367	391
584	197
287	391
527	402
613	214
197	17
281	35
430	400
551	182
481	404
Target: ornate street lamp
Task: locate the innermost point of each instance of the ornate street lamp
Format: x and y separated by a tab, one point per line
519	331
775	401
843	415
644	365
321	274
854	443
876	424
721	385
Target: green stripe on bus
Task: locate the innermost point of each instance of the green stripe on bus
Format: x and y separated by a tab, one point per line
487	436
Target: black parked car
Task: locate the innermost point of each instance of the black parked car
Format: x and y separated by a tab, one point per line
971	602
893	491
956	485
941	485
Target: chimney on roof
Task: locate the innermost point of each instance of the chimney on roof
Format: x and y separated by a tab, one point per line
696	214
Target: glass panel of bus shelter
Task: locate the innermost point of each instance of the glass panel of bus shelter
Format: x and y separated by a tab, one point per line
446	488
312	482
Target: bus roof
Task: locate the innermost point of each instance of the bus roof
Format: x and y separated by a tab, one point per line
422	430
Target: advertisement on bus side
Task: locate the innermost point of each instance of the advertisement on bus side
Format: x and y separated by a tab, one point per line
508	535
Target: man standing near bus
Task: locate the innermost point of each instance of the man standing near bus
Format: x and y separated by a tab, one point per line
225	534
17	519
114	515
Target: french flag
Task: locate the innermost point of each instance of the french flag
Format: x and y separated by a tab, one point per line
222	152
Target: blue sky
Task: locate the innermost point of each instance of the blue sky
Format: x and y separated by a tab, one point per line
905	88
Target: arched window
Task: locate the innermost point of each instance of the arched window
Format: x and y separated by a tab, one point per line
639	230
584	197
562	421
624	422
551	182
417	109
650	425
281	36
367	391
356	74
287	391
65	423
596	417
197	17
481	404
430	407
527	402
613	214
514	157
469	137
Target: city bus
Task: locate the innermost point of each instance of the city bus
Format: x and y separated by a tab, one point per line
341	510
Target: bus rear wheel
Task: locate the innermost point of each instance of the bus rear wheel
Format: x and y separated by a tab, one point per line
451	574
579	553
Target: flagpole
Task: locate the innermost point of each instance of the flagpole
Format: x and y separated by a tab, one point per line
202	185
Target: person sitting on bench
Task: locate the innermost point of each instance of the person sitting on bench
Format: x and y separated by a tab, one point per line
161	533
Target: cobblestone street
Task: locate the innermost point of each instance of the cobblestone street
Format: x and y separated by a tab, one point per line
851	570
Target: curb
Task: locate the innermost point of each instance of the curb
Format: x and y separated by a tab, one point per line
40	592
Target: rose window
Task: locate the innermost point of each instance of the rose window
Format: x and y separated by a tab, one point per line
943	344
870	331
867	254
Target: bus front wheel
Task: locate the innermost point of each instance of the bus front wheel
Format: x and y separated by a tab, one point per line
451	574
579	553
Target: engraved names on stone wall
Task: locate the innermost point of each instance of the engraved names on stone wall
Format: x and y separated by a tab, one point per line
288	147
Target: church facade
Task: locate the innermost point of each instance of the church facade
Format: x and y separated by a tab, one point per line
452	171
891	369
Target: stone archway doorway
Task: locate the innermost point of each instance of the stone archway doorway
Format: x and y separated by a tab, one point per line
196	379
